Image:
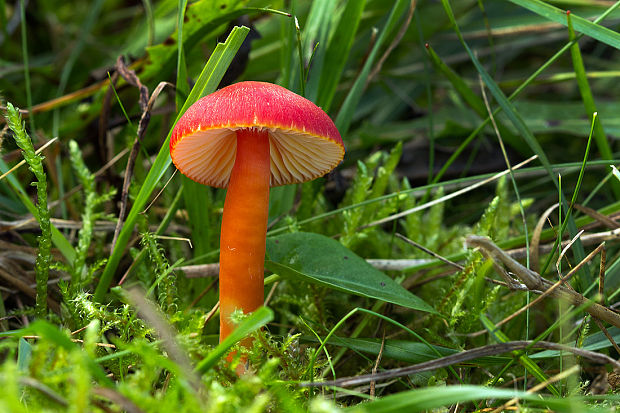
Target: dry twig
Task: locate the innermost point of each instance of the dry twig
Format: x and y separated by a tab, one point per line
504	264
463	356
146	105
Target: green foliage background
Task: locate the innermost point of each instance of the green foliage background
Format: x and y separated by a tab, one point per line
430	97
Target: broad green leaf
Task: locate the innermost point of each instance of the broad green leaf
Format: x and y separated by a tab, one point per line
253	322
321	260
208	80
434	397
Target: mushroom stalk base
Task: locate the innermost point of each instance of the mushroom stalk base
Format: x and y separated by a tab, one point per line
244	228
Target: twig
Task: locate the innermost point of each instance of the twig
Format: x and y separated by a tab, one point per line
586	239
26	289
371	391
132	79
199	296
463	356
429	252
146	104
77	188
160	191
167	237
536	283
565	250
273	290
201	270
539	386
396	264
605	220
75	340
535	244
213	269
606	333
542	296
211	313
117	398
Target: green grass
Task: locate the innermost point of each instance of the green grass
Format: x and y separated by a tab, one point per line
427	107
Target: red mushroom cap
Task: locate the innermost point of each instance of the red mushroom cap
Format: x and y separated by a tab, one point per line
304	142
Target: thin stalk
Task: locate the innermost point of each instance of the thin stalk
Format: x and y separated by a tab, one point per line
244	228
22	11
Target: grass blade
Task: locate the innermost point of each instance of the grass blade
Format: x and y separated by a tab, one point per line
527	362
512	114
587	97
430	398
317	28
580	24
59	338
253	322
210	77
182	86
345	116
337	49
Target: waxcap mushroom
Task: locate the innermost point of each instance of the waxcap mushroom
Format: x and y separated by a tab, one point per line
247	137
304	142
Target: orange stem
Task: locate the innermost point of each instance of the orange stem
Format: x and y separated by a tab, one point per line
244	228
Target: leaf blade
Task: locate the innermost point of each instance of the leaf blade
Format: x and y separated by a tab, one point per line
253	322
208	80
321	260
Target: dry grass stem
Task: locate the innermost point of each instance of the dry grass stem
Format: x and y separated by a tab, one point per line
449	196
540	386
535	244
429	252
461	357
536	283
23	161
371	392
153	316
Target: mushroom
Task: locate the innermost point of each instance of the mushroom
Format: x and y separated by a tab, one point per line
247	137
